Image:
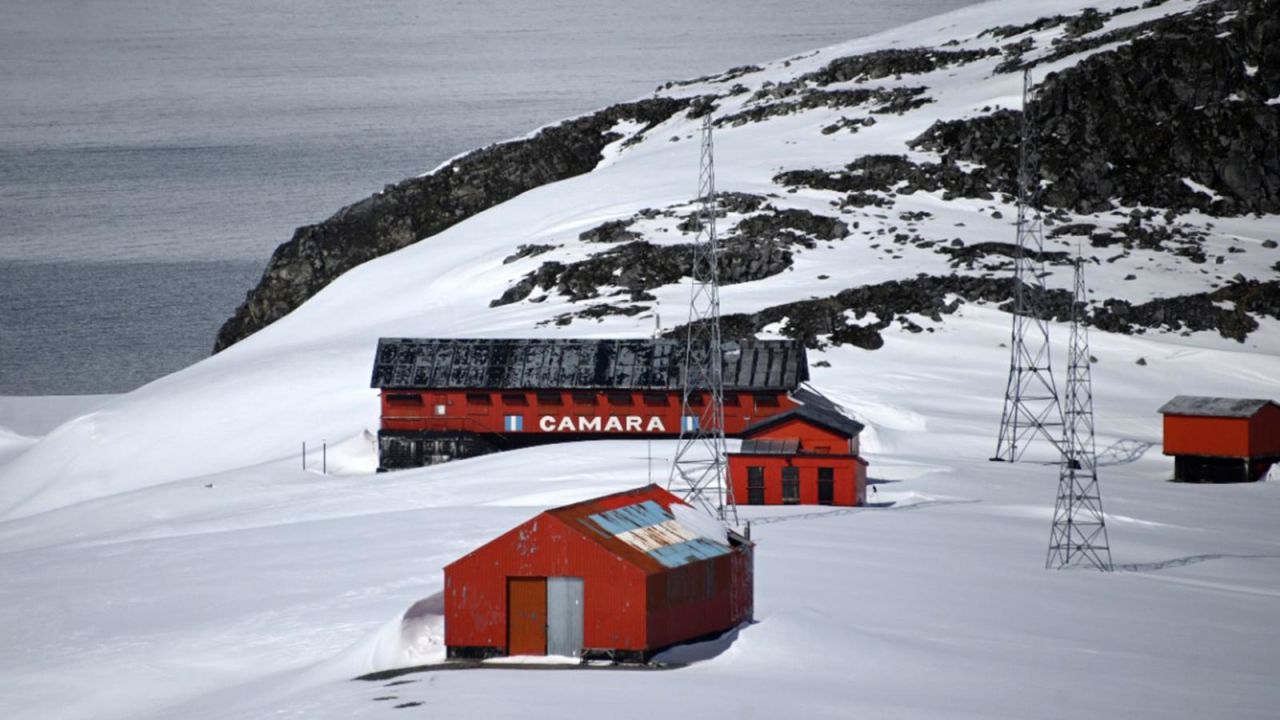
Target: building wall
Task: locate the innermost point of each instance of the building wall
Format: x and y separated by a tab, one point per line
850	477
1264	433
701	598
1206	436
475	587
486	411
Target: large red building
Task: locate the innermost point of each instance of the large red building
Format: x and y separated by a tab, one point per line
1217	439
620	577
807	455
450	398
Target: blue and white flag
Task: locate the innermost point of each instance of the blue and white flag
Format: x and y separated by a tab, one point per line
513	423
689	423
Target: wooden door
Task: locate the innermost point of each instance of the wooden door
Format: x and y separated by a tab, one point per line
826	486
526	616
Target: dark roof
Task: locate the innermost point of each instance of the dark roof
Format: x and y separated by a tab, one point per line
1213	406
630	364
788	446
816	409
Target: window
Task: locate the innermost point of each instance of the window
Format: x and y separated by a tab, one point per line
441	409
755	485
826	486
655	399
790	485
732	399
621	398
550	397
822	449
697	399
479	399
581	397
769	401
514	398
404	399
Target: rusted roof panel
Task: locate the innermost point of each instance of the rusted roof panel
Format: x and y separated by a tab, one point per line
626	364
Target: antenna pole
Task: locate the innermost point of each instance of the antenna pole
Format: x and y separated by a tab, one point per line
1031	405
1079	533
698	472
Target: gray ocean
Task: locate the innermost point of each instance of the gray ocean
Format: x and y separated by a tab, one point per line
154	152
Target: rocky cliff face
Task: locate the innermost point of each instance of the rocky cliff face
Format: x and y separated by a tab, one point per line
420	207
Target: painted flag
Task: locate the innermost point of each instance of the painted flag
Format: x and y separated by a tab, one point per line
514	423
689	423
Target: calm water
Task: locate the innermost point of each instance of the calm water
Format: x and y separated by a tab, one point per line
154	152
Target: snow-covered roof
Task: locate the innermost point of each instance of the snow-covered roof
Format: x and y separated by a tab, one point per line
815	409
1214	406
628	364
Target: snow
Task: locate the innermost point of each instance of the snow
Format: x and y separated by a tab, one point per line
1202	189
166	554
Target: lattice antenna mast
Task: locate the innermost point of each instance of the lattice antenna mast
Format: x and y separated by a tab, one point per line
698	471
1079	534
1031	405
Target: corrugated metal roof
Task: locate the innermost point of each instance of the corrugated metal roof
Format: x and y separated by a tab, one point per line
1213	406
788	446
639	526
566	364
815	408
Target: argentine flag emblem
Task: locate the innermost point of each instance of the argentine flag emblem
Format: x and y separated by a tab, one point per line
513	423
689	423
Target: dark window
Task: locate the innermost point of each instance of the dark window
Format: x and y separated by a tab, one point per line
755	485
697	399
584	398
732	399
514	399
404	399
479	399
790	485
655	399
826	486
550	397
766	401
621	398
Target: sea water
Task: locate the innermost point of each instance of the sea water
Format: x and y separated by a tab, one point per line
154	152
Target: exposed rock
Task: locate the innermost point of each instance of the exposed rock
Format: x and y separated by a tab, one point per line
798	98
420	207
885	63
892	172
1131	123
614	231
525	251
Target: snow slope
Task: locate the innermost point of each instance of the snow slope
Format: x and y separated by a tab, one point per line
166	555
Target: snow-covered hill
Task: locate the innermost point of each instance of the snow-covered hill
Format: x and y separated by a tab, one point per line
166	555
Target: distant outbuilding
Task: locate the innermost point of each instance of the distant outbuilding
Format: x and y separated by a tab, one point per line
619	577
807	455
1215	439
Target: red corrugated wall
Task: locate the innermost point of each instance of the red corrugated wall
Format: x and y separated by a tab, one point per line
488	416
1206	436
701	598
475	586
1264	432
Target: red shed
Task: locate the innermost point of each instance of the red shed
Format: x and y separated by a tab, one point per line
619	577
1216	439
807	455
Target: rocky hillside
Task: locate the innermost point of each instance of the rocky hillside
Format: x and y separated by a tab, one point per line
1157	136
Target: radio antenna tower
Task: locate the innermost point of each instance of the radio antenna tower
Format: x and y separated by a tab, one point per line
1031	405
698	470
1079	534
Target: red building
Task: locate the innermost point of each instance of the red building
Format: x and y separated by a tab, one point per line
448	398
618	577
807	455
1221	439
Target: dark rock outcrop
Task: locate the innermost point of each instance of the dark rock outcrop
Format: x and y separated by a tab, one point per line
419	207
1186	98
894	61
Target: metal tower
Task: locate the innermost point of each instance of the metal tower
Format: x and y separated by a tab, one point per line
1079	534
1031	405
698	471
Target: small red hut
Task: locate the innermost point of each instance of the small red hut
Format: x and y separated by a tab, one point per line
807	455
620	577
1215	439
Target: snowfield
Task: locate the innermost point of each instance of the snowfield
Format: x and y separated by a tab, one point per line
166	555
